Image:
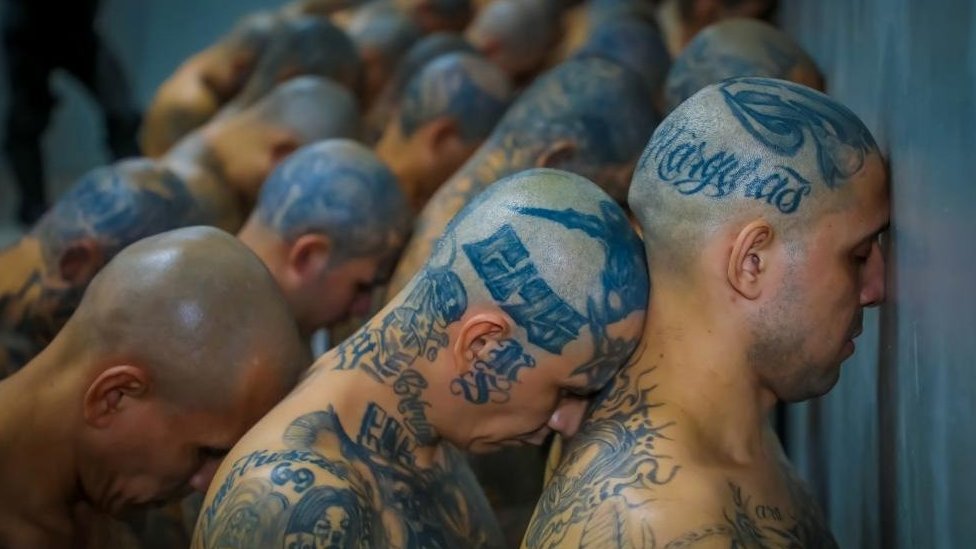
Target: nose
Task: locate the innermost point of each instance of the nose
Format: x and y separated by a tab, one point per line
873	284
568	416
201	479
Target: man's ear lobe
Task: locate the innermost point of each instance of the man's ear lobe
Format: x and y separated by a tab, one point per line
478	335
106	395
81	261
557	155
749	260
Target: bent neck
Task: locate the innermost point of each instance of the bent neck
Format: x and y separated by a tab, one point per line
385	365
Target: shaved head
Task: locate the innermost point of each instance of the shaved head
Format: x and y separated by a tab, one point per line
382	34
195	308
515	34
741	149
634	43
562	121
463	86
341	189
438	15
737	48
558	256
416	58
313	108
304	45
115	206
569	105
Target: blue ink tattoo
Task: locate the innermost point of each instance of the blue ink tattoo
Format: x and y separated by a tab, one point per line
503	263
492	378
693	166
625	283
781	115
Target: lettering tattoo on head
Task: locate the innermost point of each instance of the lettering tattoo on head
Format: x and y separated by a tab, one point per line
782	117
417	328
503	264
329	490
625	284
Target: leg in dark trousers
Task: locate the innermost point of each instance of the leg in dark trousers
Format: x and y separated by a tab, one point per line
29	67
99	70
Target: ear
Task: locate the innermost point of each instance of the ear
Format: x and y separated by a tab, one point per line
478	335
442	135
283	143
106	395
557	155
81	261
309	256
750	259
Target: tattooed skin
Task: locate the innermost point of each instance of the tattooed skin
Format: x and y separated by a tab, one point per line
622	467
564	106
109	208
329	488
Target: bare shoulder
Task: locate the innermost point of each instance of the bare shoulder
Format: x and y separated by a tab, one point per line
285	498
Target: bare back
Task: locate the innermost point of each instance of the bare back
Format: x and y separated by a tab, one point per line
305	476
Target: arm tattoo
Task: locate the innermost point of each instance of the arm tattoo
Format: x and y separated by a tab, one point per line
329	490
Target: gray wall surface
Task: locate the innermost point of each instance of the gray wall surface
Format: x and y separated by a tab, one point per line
890	450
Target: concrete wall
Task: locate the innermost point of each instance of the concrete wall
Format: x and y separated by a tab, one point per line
890	450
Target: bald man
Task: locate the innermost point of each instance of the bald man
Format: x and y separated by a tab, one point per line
635	44
516	35
329	224
761	268
209	179
45	273
682	20
736	48
447	111
536	294
240	70
562	121
416	58
132	403
428	15
227	160
203	82
303	45
382	34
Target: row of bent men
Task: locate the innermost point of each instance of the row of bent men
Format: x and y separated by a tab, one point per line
573	217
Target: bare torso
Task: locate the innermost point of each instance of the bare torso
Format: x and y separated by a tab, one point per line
639	475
